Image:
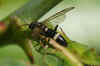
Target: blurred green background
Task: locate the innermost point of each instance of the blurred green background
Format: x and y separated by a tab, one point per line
81	24
11	55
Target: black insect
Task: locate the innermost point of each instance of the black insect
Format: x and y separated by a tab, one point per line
40	28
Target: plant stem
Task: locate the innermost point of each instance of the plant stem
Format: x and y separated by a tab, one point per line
66	52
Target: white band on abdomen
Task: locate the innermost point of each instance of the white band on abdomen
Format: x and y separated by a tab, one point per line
56	35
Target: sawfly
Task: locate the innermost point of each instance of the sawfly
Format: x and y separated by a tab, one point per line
40	29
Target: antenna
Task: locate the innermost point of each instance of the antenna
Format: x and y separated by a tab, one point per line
25	25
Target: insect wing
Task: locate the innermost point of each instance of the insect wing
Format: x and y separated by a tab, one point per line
58	17
58	20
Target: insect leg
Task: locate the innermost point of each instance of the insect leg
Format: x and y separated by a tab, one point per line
56	28
64	34
55	49
43	45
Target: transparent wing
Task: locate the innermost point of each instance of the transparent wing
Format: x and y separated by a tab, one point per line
58	17
58	20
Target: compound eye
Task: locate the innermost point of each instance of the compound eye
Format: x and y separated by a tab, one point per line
32	25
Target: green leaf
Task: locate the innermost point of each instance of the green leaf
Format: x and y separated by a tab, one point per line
8	6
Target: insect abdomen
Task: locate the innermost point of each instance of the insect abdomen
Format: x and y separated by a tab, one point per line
59	38
55	35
